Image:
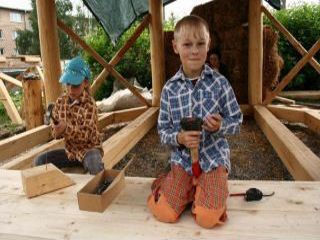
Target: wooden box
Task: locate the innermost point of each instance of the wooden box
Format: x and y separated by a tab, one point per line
89	201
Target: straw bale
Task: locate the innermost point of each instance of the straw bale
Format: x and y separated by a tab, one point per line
228	25
272	61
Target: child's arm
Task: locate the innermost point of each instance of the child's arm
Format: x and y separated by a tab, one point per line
230	117
59	128
167	133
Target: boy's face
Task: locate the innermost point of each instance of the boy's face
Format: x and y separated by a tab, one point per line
75	91
192	47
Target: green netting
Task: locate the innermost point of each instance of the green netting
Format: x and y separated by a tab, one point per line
116	16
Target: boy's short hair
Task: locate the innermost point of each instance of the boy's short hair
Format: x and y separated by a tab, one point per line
193	22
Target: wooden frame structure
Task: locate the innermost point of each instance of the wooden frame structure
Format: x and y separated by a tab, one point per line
300	161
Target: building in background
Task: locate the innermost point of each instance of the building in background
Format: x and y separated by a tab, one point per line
12	19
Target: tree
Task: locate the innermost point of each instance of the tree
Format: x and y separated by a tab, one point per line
28	41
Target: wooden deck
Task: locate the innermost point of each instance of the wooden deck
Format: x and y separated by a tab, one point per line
292	213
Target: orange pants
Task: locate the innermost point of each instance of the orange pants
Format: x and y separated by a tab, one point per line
173	192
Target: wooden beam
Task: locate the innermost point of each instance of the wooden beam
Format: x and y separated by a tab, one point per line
10	79
297	45
300	161
157	50
287	113
49	46
312	120
246	109
128	114
118	56
119	144
315	95
307	116
32	100
24	141
293	72
42	84
101	60
25	160
255	59
285	100
9	105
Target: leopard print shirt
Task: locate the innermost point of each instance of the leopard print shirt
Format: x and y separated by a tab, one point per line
81	118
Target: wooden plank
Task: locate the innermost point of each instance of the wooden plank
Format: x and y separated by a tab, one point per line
285	100
157	50
101	60
255	59
10	79
300	161
9	105
308	116
118	56
32	99
117	146
292	213
128	114
49	46
292	73
315	95
312	120
19	143
288	113
296	44
4	236
25	160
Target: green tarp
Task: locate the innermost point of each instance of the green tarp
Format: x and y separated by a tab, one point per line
116	16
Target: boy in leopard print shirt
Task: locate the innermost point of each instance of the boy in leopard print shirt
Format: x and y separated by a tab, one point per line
76	116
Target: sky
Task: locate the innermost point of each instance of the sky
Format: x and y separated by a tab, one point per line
179	8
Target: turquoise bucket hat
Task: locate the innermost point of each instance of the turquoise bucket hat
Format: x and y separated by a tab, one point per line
75	72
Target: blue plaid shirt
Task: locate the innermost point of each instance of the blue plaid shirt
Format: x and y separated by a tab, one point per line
211	94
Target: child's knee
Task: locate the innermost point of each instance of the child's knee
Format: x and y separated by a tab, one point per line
209	218
93	161
40	160
162	210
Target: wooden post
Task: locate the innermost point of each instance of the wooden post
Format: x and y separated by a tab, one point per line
49	46
33	109
9	105
157	50
255	59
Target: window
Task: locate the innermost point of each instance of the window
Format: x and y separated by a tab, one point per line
1	51
1	34
15	17
14	35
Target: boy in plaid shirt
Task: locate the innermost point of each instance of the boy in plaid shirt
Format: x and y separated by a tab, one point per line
76	119
196	90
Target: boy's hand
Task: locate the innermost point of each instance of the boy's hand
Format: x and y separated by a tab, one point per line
212	122
190	139
59	128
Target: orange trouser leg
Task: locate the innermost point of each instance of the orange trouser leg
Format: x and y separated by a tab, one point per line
162	210
209	207
170	195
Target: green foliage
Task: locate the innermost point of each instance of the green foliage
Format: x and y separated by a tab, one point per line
5	121
28	41
303	22
135	63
